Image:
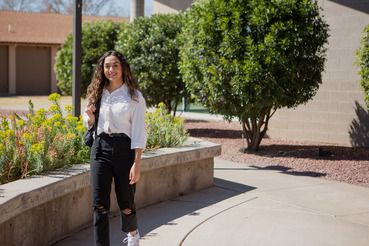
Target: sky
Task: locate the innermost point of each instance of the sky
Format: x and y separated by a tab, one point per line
125	6
121	7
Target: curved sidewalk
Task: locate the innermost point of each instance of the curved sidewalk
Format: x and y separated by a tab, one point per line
253	206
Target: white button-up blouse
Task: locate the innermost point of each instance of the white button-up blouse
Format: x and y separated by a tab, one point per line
121	114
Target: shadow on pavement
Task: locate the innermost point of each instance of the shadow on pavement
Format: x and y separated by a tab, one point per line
315	152
166	213
215	133
286	170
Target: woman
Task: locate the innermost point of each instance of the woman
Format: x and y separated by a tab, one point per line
116	151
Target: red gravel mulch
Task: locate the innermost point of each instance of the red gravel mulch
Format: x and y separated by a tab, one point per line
339	163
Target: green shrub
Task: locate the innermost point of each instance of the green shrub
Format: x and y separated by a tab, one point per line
46	140
248	58
38	143
97	38
152	47
362	61
163	130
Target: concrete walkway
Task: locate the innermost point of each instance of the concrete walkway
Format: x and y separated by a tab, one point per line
253	206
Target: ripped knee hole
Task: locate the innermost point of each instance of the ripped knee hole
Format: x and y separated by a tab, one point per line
127	211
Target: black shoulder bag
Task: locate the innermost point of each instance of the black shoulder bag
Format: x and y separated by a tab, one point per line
88	137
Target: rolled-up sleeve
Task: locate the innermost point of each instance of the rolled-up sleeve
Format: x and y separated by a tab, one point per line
85	116
138	130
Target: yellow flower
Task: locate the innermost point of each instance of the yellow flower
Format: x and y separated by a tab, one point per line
10	132
54	108
46	122
71	135
81	128
69	108
72	119
37	148
56	117
2	149
57	124
5	124
41	111
54	97
26	136
20	123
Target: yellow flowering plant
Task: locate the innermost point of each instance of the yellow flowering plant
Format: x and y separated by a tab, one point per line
45	139
41	141
163	130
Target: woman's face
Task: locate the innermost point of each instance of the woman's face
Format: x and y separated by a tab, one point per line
113	69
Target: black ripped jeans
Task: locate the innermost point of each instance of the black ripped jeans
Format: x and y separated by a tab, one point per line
111	157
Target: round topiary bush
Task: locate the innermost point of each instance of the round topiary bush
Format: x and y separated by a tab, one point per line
247	58
152	48
97	38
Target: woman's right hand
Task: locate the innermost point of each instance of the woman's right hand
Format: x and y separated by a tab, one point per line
90	113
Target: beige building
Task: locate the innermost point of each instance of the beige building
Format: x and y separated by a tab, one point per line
337	114
28	45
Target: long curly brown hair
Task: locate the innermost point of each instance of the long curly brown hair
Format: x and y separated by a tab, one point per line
99	81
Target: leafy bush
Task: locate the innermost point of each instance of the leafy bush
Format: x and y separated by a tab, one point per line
38	143
97	38
247	58
163	130
362	61
152	47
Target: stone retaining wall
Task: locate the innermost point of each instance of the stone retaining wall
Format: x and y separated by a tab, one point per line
41	210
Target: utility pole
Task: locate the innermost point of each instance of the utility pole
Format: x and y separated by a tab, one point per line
77	57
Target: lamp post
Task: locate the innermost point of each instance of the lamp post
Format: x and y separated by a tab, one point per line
77	57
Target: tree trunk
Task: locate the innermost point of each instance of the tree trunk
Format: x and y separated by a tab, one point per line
168	106
175	108
254	130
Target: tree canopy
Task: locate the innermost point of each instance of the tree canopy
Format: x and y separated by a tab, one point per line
247	58
97	38
152	48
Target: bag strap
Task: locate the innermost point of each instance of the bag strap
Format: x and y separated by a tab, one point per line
97	112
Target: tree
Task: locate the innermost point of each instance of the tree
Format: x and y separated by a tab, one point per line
54	6
97	38
15	5
248	58
89	7
152	48
362	61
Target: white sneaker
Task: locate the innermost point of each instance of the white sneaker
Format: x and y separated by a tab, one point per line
132	240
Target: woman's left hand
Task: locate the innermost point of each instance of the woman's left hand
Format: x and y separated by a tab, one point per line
134	175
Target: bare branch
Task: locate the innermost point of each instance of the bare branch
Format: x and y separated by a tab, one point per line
16	5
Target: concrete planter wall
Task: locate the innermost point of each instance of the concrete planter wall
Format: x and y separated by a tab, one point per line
41	210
